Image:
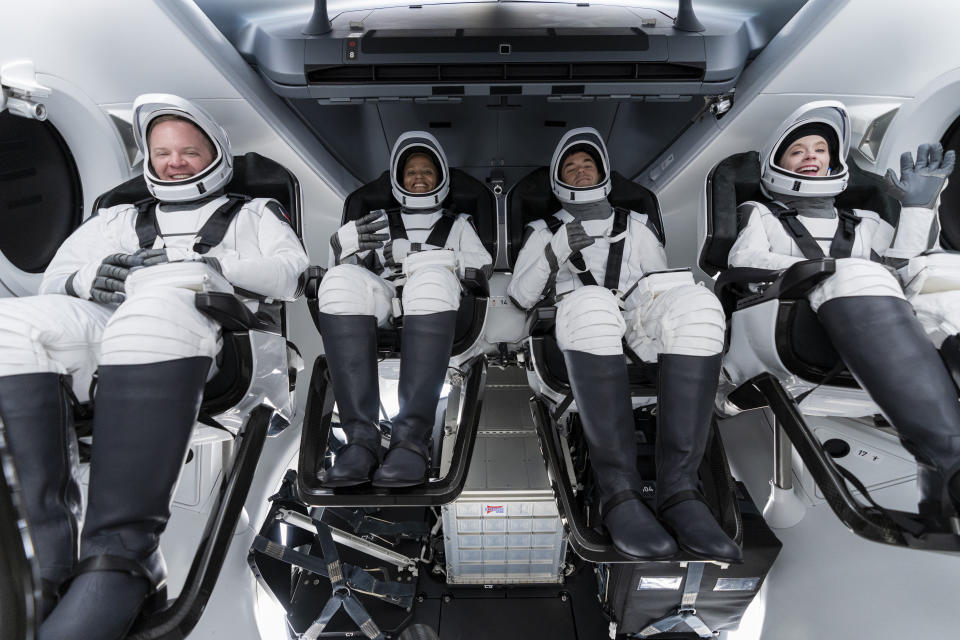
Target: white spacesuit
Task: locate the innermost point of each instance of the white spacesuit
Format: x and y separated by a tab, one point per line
606	270
152	350
862	305
425	249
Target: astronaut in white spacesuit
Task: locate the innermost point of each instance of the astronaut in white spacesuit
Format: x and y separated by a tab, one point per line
425	249
862	306
152	350
605	269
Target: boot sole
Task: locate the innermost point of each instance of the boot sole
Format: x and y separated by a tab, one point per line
715	558
344	482
398	484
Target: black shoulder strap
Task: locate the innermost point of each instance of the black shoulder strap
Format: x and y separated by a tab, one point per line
147	230
611	277
554	223
395	222
576	258
842	245
788	218
215	228
441	229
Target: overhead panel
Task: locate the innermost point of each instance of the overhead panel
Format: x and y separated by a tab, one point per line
448	52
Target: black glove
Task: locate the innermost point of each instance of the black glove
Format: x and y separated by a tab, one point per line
109	284
569	240
360	235
920	183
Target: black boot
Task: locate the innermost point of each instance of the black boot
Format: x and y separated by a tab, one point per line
602	391
885	348
687	389
425	345
143	418
38	419
350	343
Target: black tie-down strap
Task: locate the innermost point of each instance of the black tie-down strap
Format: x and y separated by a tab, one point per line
611	276
840	247
210	234
686	613
344	580
363	525
439	233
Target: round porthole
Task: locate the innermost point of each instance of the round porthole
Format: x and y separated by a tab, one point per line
41	200
950	199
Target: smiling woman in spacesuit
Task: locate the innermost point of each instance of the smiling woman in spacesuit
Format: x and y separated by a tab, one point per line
862	305
426	249
666	318
153	351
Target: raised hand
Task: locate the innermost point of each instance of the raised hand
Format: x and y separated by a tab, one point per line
921	182
367	226
569	239
360	235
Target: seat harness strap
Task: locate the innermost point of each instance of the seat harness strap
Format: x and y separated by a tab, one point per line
611	276
686	614
840	247
438	234
210	234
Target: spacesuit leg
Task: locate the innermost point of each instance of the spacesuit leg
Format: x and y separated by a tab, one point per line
685	324
44	339
431	298
875	331
156	352
590	328
352	303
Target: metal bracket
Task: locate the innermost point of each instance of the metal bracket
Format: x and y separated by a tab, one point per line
719	105
301	521
19	88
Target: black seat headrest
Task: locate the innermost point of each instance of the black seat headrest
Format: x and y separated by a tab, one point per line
467	195
736	179
253	175
532	199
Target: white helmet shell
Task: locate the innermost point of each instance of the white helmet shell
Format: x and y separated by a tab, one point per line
777	180
407	144
216	176
568	194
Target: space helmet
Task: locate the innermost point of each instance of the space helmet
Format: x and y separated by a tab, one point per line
826	118
413	143
149	106
589	141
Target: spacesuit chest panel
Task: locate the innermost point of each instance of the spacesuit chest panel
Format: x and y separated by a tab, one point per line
202	229
847	235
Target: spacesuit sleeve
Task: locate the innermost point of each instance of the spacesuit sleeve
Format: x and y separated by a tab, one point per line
912	234
534	271
752	246
647	249
470	250
276	272
78	258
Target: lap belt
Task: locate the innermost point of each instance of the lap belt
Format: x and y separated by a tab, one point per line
210	234
344	580
686	613
840	247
